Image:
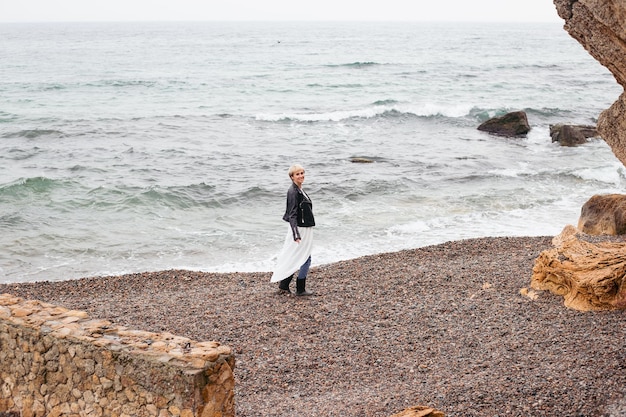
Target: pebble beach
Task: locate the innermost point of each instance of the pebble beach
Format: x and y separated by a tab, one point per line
448	326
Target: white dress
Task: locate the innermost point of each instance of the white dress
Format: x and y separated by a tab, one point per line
293	254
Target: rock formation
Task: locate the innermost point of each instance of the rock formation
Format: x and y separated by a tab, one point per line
572	135
600	27
419	411
358	160
587	266
604	215
589	272
514	124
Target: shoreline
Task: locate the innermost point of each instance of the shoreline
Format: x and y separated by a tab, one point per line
443	326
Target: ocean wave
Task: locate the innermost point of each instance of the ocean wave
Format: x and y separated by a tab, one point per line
353	86
482	114
7	117
33	133
54	87
123	83
30	186
388	102
547	112
535	66
613	174
356	64
385	109
69	194
183	197
17	154
9	220
148	198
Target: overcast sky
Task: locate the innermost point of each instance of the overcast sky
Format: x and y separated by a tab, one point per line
146	10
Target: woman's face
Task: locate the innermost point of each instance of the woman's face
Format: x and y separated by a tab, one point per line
298	178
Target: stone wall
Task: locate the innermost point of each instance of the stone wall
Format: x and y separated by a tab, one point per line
60	362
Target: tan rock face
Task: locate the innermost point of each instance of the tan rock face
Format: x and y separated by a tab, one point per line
600	27
604	215
419	411
587	271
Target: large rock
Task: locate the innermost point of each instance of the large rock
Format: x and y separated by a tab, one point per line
604	215
514	124
419	411
572	135
599	26
587	271
587	265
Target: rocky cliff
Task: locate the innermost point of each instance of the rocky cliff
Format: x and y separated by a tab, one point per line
600	27
589	271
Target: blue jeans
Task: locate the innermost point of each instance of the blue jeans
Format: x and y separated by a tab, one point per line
304	269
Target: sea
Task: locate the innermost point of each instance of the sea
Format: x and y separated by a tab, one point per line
132	147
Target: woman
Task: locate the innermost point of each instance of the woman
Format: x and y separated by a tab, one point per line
296	252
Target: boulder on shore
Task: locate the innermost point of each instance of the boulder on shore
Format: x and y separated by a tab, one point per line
514	124
587	265
419	411
604	215
572	135
587	271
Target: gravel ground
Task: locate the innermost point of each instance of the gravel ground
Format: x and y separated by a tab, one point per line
443	326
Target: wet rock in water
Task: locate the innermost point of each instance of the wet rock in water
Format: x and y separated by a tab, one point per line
514	124
572	135
361	160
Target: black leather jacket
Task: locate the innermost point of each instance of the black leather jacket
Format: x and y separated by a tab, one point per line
299	211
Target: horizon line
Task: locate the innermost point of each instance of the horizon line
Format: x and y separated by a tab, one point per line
556	20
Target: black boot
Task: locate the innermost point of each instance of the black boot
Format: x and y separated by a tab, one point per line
300	287
283	285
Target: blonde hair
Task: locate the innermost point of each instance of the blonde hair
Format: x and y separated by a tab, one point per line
294	168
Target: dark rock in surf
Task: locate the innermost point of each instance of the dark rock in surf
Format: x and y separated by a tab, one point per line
572	135
514	124
361	160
